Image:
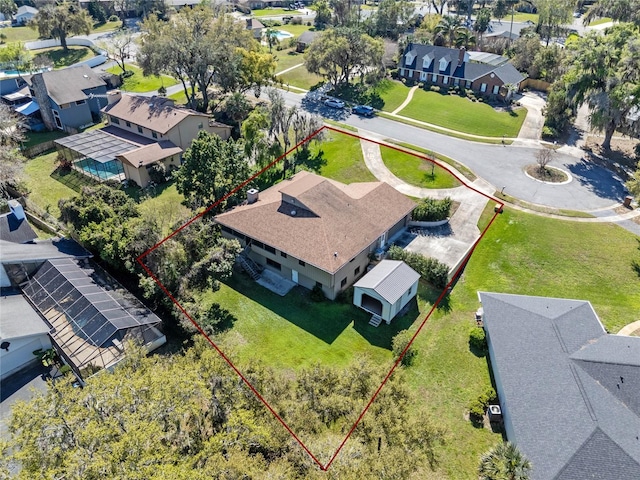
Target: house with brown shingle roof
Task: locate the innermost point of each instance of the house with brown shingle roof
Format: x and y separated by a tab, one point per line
141	132
316	231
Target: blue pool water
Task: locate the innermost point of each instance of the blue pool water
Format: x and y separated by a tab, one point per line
101	170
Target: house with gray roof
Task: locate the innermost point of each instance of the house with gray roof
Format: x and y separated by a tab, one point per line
386	289
569	391
66	99
14	226
449	67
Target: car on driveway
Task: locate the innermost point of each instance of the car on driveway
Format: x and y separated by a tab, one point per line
364	110
333	103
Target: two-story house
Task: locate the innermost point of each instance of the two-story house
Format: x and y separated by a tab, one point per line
67	99
315	231
140	132
448	67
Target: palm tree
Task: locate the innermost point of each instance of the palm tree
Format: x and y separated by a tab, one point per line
271	35
448	27
465	38
504	462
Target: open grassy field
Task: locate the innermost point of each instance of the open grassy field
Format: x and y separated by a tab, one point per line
600	21
287	58
139	83
300	77
521	17
271	12
295	30
393	94
62	59
106	26
417	171
19	34
343	156
460	114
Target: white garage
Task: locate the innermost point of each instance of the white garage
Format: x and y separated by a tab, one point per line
387	288
21	332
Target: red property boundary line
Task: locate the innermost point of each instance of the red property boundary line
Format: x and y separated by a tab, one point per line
454	278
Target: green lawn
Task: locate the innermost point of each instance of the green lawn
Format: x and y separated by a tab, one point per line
295	30
268	12
600	21
458	166
521	18
19	34
393	94
106	27
140	83
416	171
62	59
180	98
36	138
300	77
460	114
287	59
165	205
344	159
45	190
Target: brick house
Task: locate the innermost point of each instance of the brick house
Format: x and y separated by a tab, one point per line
448	67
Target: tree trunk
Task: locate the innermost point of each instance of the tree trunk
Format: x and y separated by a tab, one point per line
63	42
608	133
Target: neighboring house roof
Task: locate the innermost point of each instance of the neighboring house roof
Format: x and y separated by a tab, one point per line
390	279
15	230
254	24
68	85
307	37
569	389
508	74
501	34
329	223
25	9
155	113
148	154
477	66
17	317
487	58
28	108
41	250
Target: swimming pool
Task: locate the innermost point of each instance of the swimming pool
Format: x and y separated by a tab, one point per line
104	171
281	34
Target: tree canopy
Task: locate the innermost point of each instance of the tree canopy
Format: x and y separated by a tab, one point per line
211	168
61	20
341	53
187	416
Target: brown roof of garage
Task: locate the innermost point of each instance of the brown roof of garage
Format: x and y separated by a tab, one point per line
148	154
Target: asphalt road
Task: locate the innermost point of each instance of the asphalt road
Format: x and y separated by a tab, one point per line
591	188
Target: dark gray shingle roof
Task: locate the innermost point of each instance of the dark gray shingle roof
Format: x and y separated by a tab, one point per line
68	85
559	378
14	230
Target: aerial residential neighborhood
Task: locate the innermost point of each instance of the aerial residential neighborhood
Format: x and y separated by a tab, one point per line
321	239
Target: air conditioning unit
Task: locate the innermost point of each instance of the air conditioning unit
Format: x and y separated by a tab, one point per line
379	254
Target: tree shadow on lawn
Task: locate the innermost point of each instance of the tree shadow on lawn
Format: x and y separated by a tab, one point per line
324	320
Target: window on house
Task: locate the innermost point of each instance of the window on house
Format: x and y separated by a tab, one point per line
343	283
115	120
283	255
408	292
154	134
128	124
445	80
200	126
496	89
273	264
356	271
483	87
434	78
139	129
258	244
64	105
302	263
468	83
80	102
270	249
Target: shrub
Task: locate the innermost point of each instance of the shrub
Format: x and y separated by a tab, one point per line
127	74
477	339
162	91
113	18
549	132
480	404
317	295
420	85
404	80
158	173
399	343
430	269
432	210
296	21
434	88
393	73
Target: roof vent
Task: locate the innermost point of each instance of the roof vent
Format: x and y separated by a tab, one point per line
293	213
252	195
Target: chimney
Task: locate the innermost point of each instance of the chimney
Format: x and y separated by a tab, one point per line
16	209
461	53
113	97
252	195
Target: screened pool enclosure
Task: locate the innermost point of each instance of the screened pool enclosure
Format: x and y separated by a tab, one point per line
90	314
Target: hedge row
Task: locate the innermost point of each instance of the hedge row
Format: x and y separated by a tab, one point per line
432	210
430	269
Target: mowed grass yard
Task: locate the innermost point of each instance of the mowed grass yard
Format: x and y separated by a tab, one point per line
460	114
62	59
343	160
140	83
417	171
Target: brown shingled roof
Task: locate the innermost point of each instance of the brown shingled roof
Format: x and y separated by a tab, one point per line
155	113
329	217
149	154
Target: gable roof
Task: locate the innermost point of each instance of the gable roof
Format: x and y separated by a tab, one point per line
569	390
15	230
307	37
254	24
26	9
469	70
155	113
312	218
148	154
390	279
69	84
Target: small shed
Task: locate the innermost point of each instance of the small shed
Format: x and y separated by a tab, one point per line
386	289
